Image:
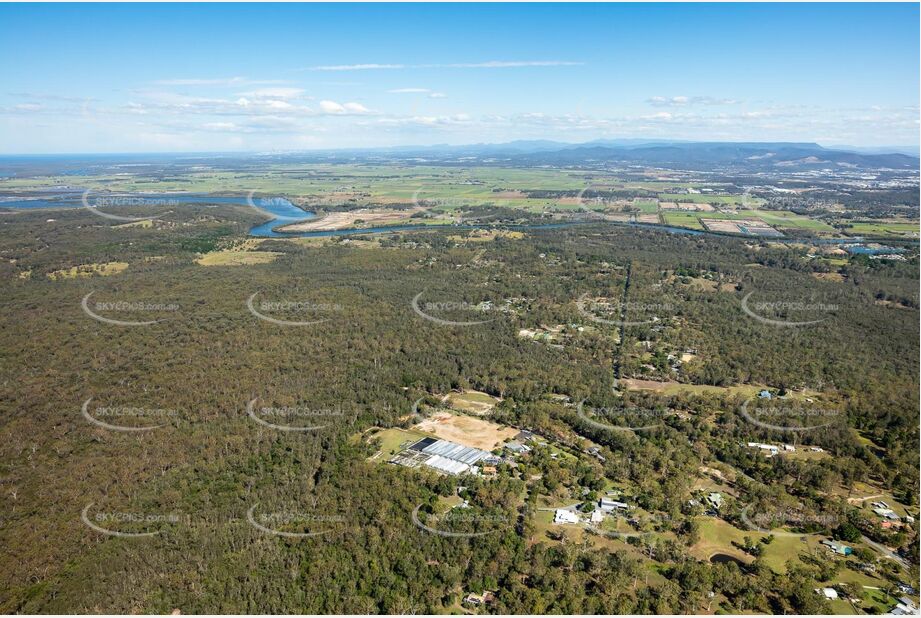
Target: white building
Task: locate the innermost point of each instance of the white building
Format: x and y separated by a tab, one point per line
606	504
565	517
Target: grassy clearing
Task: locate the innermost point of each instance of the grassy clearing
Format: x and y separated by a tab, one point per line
783	218
683	219
647	206
104	269
474	402
716	536
237	258
672	388
394	440
884	228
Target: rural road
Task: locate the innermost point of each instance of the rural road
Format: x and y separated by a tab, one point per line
885	551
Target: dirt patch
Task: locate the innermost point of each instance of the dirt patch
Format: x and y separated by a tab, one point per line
466	430
649	385
836	277
237	258
365	217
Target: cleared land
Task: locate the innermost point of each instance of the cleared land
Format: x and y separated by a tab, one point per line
354	218
466	430
474	402
88	270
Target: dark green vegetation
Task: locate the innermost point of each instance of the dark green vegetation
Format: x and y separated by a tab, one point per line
374	357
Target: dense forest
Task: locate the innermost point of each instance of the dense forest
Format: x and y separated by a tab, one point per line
371	358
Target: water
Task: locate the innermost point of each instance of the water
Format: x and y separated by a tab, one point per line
283	212
725	559
873	251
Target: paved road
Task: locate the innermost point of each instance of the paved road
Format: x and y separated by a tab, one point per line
886	552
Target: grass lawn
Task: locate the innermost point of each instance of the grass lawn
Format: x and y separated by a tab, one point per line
884	228
783	218
393	440
647	206
683	219
705	198
716	536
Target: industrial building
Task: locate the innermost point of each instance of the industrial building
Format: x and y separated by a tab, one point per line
444	456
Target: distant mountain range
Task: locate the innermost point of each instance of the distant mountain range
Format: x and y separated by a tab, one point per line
749	156
779	157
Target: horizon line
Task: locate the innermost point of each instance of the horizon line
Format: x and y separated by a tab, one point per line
650	141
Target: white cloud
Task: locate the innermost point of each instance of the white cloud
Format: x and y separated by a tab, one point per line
274	93
331	107
431	93
491	64
682	101
355	67
218	81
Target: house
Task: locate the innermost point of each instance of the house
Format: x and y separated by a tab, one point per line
770	448
838	548
565	517
716	499
765	394
524	436
518	448
887	513
909	519
789	447
880	504
608	505
906	589
830	593
597	517
815	449
905	607
480	599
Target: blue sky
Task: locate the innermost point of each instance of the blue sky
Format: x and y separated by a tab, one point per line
240	77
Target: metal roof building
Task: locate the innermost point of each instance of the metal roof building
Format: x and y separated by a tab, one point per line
442	455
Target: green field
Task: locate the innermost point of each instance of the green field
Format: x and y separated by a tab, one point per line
883	228
647	206
703	198
683	219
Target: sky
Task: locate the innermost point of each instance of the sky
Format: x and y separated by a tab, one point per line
98	78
